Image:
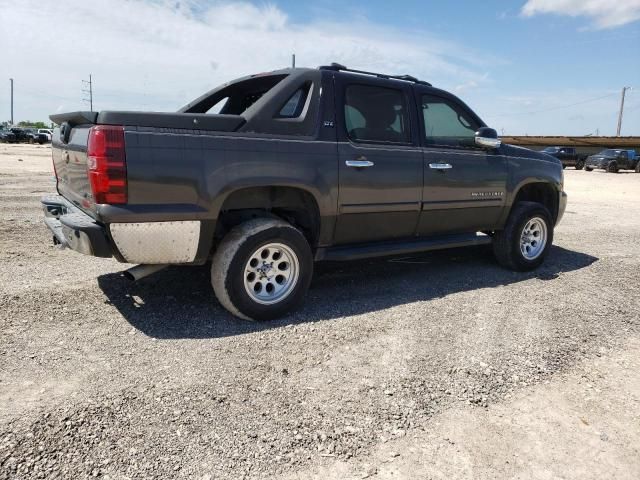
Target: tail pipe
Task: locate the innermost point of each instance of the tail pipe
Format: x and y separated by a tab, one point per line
140	271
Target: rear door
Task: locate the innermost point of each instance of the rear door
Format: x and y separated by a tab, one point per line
464	185
380	162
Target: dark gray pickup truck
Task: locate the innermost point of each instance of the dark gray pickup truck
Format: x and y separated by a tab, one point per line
268	173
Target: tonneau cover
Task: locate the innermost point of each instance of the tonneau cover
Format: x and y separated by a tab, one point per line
191	121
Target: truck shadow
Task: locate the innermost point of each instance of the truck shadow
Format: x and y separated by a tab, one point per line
179	302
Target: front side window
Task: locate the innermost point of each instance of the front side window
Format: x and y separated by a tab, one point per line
376	114
446	123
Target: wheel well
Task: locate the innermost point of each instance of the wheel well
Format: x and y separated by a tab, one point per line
294	205
543	193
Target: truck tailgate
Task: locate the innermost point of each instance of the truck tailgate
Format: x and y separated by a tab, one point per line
70	163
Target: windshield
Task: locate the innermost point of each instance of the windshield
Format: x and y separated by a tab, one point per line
608	153
551	149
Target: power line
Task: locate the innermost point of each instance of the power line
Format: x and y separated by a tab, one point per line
554	108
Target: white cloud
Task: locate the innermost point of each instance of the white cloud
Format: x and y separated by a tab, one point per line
604	13
560	112
158	55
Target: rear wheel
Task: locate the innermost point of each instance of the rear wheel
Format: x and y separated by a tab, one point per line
579	164
525	241
638	167
262	269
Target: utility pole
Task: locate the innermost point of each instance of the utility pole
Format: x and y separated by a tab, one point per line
89	91
11	81
293	60
624	90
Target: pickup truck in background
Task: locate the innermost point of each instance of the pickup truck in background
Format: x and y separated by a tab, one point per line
48	133
568	156
7	136
613	160
296	166
28	135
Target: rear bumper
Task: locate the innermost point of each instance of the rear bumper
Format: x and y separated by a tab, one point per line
74	229
562	206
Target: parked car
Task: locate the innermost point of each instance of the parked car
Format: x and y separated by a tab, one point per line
47	132
613	160
299	165
28	135
7	136
568	156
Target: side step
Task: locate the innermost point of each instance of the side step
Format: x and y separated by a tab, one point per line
383	249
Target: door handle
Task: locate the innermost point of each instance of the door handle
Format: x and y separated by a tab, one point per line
440	166
359	163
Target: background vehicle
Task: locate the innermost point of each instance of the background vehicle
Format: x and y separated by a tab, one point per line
7	136
568	156
47	132
613	160
299	165
28	135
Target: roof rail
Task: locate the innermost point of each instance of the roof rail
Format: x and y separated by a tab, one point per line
341	68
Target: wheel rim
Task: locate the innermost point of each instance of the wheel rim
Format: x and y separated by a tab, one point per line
533	238
271	273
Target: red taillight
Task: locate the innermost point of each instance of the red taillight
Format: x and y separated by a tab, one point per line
107	164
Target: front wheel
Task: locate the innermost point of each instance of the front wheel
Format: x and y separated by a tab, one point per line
588	169
612	167
579	164
262	269
525	241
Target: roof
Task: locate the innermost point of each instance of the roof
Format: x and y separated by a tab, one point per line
341	68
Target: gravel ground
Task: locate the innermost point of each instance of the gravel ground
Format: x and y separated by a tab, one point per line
100	377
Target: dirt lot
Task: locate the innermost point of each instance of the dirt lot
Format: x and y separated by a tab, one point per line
437	365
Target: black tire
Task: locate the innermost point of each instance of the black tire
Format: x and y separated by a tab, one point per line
564	166
588	169
579	164
506	243
638	167
232	257
612	167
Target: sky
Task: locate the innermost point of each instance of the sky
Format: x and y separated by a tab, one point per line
527	67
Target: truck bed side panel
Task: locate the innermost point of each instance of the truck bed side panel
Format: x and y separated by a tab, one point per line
190	173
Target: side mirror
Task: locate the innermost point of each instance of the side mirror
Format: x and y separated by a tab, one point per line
487	137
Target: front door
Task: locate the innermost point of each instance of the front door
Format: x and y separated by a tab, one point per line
464	185
380	163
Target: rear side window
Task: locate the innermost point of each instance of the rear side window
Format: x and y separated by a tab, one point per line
218	107
446	123
294	107
376	114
